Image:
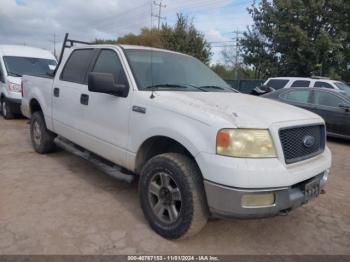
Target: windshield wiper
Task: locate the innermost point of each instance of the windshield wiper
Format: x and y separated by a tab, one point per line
166	86
219	88
14	74
213	87
184	86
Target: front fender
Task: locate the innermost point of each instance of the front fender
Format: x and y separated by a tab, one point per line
194	135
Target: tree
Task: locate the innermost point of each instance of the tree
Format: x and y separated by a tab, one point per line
230	73
182	37
147	37
185	38
298	37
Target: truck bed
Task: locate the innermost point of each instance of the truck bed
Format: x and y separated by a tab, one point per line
36	88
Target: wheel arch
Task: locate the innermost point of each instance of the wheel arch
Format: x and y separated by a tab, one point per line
160	144
34	106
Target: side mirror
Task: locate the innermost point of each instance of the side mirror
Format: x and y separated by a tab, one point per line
345	107
52	70
104	83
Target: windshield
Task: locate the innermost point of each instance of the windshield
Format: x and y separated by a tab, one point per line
19	66
158	70
344	87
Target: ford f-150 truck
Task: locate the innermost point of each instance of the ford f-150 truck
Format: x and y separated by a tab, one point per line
198	147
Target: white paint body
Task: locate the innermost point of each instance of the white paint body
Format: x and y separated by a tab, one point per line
109	127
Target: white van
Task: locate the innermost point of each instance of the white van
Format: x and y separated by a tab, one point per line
286	82
14	62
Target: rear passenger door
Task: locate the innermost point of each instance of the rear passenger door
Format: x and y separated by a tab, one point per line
106	117
327	106
69	84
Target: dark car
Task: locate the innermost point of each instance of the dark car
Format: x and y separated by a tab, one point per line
332	105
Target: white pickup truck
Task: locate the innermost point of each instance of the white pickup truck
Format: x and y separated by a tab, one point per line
198	147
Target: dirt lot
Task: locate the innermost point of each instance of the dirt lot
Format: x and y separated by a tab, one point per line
59	204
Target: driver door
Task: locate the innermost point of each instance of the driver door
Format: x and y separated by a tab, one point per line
105	119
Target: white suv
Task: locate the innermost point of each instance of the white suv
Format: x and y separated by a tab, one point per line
287	82
14	62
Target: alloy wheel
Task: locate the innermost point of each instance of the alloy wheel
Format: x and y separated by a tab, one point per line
165	197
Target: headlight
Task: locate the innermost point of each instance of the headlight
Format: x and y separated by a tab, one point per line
14	88
250	143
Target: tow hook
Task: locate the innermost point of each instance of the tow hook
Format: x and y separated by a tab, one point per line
284	213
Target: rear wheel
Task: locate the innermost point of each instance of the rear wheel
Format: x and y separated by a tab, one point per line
42	138
6	110
172	196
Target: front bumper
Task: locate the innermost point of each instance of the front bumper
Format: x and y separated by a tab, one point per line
226	202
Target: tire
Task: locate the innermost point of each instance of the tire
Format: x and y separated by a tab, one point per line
164	180
42	139
5	110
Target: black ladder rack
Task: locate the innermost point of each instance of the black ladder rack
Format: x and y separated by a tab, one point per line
68	43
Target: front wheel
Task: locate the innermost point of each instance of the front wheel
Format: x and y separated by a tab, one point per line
172	196
42	138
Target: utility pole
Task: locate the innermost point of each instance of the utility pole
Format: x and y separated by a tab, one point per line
159	15
237	32
54	45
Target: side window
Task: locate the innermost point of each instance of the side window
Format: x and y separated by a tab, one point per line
277	83
299	96
108	62
327	99
301	83
322	84
77	65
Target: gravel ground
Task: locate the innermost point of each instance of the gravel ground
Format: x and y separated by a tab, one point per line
60	204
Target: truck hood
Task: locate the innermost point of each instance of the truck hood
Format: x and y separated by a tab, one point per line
234	109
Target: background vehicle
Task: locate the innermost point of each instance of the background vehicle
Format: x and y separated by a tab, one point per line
287	82
199	147
14	62
331	104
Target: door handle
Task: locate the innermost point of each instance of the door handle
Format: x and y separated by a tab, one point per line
84	99
56	92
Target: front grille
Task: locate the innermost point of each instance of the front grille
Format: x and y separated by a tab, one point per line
297	142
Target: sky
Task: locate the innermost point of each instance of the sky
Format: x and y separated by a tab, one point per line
35	22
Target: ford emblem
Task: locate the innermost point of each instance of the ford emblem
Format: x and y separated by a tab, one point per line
309	141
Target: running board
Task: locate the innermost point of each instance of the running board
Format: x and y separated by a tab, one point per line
111	170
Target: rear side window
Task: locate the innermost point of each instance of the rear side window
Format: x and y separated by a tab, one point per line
277	83
108	62
77	66
323	84
301	83
299	96
327	99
